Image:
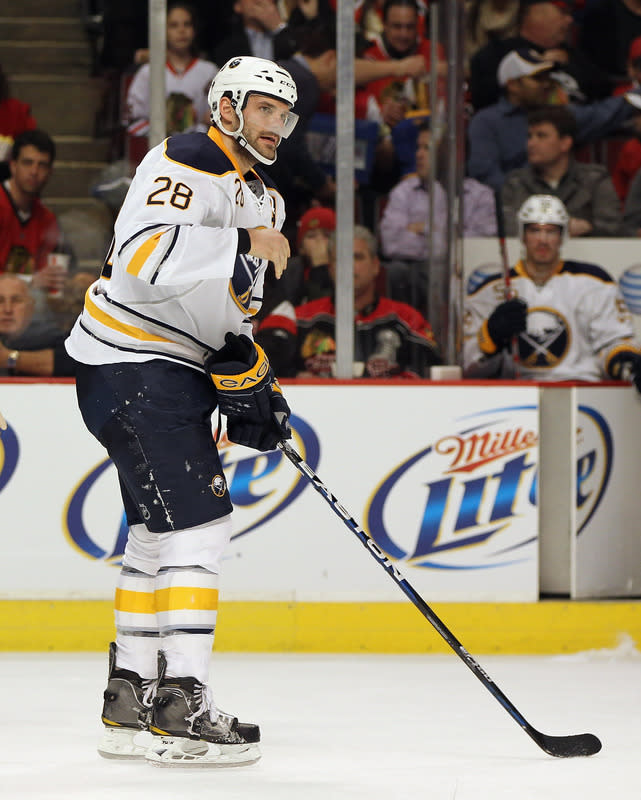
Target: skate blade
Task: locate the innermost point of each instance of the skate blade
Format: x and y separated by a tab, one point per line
174	751
124	744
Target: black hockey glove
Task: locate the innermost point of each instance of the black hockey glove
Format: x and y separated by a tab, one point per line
249	394
506	321
626	366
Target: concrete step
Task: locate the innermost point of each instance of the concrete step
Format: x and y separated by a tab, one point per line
62	105
73	178
41	8
27	29
82	148
45	56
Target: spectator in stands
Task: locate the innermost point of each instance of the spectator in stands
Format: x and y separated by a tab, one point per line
368	16
586	190
307	15
392	339
607	30
497	135
632	208
405	233
15	117
628	160
306	278
487	21
259	30
388	99
30	345
633	69
187	79
568	318
29	231
299	178
543	26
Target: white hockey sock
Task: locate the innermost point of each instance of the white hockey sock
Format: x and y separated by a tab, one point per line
137	635
187	605
186	596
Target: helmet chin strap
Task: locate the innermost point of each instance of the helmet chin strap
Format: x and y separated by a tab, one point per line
242	141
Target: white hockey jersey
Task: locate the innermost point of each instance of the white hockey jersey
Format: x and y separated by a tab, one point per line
174	283
576	322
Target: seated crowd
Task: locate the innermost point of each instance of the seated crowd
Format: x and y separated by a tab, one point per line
545	82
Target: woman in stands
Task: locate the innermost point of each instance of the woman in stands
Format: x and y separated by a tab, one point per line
187	79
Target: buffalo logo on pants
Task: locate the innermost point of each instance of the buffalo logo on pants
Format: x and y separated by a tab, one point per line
218	485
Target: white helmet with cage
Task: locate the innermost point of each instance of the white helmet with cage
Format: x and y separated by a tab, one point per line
245	75
543	209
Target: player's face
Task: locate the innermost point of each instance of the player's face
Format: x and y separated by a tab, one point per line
265	121
423	154
544	145
15	306
180	30
542	244
31	170
401	28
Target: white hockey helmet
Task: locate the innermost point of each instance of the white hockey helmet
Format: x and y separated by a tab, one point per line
245	75
543	209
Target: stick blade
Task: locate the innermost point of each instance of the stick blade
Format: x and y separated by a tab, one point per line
581	744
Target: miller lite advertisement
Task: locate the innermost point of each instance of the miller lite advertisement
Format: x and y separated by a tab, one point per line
444	480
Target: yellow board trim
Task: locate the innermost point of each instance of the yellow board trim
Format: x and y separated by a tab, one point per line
129	330
186	597
506	628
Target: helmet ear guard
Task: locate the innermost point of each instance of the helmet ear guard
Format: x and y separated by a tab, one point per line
245	75
543	209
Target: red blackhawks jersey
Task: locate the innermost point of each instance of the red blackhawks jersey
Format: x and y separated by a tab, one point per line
376	90
25	245
387	327
576	322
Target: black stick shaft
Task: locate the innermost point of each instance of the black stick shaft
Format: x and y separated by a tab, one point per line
561	746
509	292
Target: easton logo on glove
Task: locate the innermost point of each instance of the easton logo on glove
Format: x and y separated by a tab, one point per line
248	394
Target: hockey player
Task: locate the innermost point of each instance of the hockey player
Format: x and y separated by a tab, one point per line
183	277
569	318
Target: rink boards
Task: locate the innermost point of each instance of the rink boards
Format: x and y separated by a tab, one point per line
445	480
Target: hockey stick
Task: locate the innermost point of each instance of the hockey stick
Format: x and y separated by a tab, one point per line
583	744
509	292
3	423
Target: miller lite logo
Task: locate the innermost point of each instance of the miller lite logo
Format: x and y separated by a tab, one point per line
472	493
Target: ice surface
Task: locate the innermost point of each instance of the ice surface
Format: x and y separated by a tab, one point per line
339	727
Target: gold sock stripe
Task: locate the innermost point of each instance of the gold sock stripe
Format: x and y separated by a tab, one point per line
193	598
131	602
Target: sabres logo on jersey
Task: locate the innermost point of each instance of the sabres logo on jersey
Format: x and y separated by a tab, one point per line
546	341
218	485
241	286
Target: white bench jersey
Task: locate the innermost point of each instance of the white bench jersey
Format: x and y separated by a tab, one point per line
576	322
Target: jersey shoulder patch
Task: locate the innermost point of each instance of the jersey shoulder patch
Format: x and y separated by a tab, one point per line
592	270
197	151
495	276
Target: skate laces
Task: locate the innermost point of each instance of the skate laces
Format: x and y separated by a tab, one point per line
148	691
203	701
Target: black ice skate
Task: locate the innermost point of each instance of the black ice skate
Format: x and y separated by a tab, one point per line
126	712
184	733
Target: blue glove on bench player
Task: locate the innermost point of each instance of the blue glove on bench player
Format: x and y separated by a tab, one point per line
249	394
